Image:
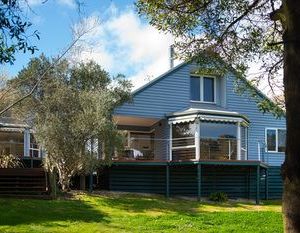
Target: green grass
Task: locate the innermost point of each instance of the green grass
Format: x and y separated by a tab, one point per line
133	213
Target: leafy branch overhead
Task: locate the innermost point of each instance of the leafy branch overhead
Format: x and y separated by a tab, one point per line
15	31
237	32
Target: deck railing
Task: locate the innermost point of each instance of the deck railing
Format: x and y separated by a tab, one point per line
210	148
182	149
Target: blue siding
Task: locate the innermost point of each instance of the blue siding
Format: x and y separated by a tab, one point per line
171	93
246	105
161	136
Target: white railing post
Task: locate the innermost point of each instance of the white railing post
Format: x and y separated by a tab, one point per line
258	150
197	140
170	143
238	141
229	149
26	143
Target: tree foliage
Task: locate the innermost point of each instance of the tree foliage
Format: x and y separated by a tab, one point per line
15	35
72	106
239	32
9	161
225	34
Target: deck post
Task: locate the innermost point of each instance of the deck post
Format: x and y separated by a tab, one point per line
257	183
267	184
167	181
91	182
199	181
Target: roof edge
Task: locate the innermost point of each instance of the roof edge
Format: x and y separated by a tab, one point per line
155	80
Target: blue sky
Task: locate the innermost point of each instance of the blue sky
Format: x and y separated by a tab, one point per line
122	42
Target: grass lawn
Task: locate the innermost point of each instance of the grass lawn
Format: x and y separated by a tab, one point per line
133	213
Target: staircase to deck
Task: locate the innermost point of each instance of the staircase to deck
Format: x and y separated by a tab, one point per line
23	182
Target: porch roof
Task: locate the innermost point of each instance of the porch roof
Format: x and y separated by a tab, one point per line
191	113
134	121
9	122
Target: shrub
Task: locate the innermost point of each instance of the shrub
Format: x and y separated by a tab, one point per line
9	161
218	197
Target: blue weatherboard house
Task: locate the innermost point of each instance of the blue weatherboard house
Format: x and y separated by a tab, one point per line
193	134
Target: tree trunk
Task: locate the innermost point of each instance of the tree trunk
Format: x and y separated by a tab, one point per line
291	166
82	182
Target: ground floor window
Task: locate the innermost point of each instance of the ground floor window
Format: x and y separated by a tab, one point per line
218	140
139	145
275	140
215	140
12	143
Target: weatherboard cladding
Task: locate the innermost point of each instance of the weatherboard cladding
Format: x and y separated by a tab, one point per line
246	105
171	93
161	134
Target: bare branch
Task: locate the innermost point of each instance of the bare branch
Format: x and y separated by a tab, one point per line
40	79
246	12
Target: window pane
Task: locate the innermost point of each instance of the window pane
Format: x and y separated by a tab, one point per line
217	130
271	140
183	134
209	92
281	140
195	88
218	140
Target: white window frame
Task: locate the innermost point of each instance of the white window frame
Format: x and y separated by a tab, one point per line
202	88
180	147
276	143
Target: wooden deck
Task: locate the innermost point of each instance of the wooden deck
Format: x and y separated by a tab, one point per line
239	178
190	162
23	182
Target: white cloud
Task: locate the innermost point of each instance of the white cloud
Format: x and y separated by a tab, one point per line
34	2
69	3
123	43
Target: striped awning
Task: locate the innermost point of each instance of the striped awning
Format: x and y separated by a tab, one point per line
193	117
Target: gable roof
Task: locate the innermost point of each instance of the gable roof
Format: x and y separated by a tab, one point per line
157	79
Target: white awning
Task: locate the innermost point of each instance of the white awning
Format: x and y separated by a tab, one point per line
193	117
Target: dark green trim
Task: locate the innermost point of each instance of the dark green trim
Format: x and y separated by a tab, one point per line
167	181
204	162
267	184
199	181
257	184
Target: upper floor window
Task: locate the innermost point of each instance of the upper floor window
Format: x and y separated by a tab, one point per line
275	140
203	89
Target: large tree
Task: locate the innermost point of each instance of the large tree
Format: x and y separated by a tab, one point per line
71	108
239	32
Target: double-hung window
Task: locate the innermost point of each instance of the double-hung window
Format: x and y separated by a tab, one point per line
275	140
202	89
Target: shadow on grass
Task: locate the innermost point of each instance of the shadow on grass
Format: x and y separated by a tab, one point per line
16	211
142	204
